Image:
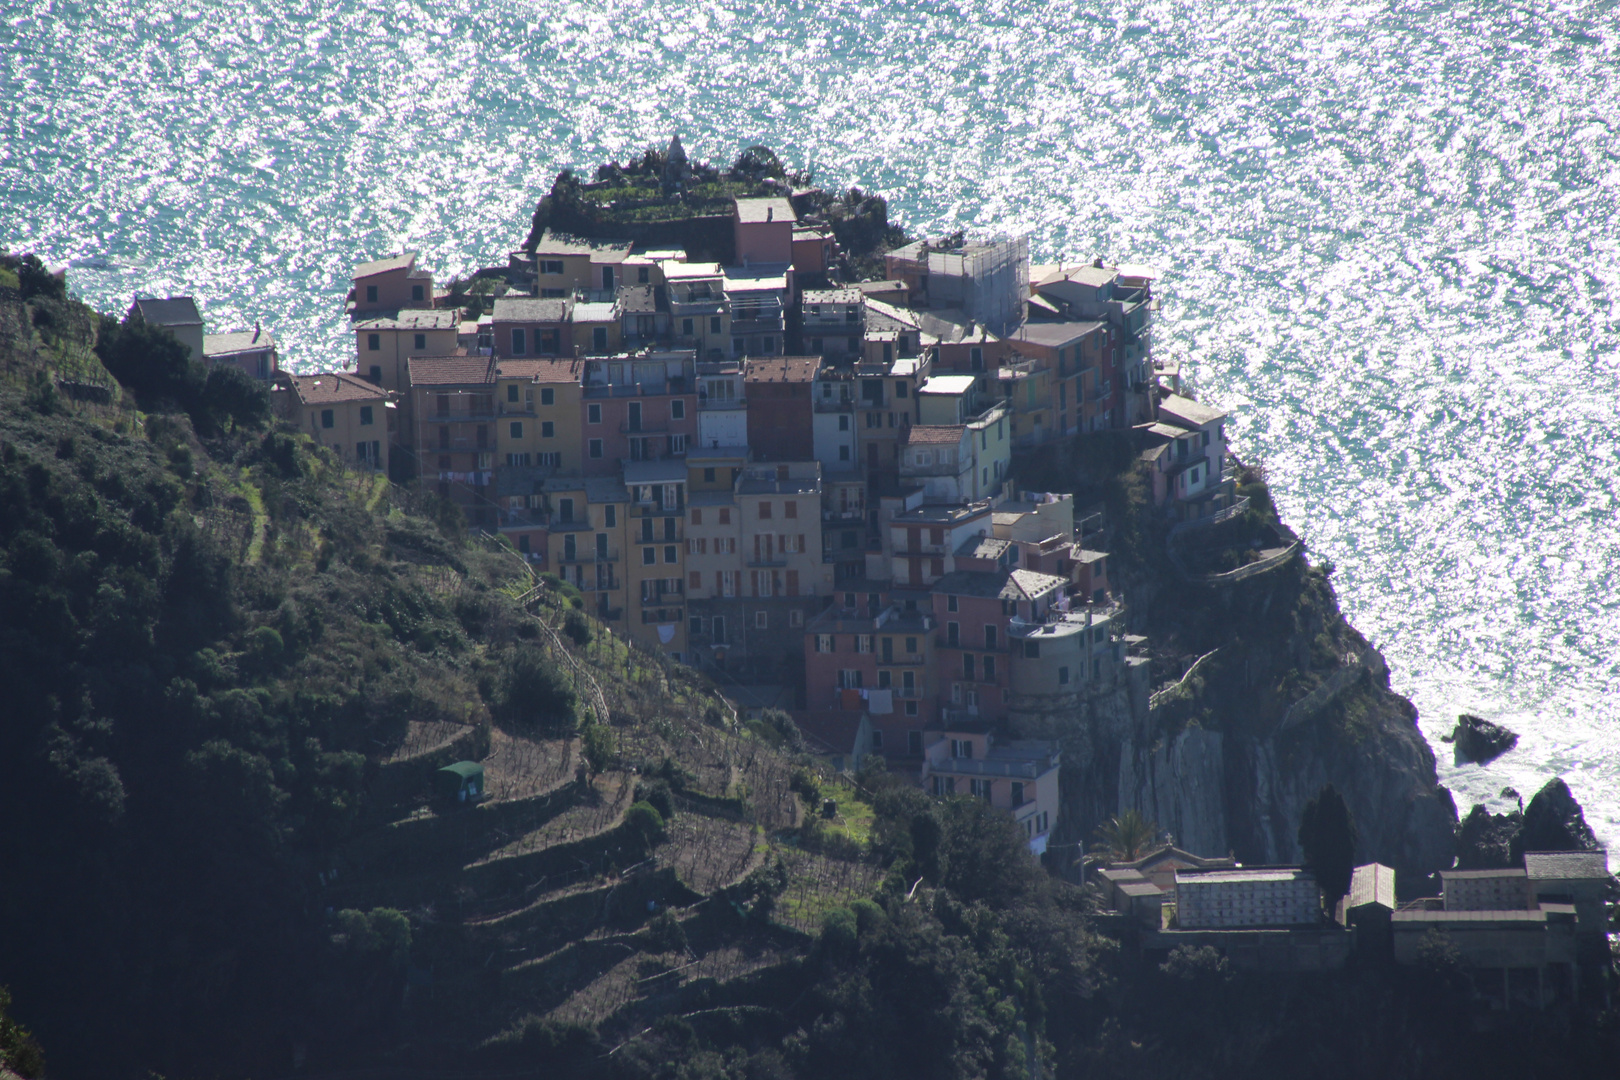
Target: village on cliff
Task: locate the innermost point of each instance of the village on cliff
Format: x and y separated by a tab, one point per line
801	484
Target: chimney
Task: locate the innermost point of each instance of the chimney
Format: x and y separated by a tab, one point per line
255	329
770	213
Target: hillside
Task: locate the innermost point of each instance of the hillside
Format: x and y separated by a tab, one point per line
232	670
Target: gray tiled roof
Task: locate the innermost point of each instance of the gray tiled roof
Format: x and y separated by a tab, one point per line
1564	865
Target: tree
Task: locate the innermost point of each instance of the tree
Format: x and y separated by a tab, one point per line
1126	837
1328	838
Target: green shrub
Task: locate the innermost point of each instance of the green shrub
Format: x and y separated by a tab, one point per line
665	933
644	824
533	693
578	628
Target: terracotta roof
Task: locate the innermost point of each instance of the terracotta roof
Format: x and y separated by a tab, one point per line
781	369
933	434
383	266
331	386
451	370
546	371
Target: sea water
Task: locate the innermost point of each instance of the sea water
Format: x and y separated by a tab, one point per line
1386	231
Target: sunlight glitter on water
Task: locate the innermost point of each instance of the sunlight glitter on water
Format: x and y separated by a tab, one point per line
1388	234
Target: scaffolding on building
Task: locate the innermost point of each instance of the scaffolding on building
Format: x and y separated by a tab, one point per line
987	281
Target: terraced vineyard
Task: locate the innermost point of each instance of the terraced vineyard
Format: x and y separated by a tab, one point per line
536	901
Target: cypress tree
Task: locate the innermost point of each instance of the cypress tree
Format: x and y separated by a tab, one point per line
1328	838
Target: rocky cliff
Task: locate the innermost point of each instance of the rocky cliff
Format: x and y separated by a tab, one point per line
1249	696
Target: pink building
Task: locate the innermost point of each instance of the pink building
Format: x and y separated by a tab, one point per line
527	326
762	230
868	655
389	284
1020	776
640	407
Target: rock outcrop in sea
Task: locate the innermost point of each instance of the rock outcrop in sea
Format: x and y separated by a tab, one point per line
1477	741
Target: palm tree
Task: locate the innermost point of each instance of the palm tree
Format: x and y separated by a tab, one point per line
1126	837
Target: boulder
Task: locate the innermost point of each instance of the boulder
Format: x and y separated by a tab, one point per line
1485	840
1479	741
1553	822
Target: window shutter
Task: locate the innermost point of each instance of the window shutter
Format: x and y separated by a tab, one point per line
793	583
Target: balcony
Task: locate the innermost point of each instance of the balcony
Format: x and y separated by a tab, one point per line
922	551
611	555
856	515
708	404
825	405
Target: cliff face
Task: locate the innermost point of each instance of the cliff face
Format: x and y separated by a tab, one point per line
1285	696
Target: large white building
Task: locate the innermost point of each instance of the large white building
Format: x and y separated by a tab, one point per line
1228	899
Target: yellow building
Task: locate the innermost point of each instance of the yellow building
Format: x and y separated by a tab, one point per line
586	522
566	264
656	554
385	341
598	329
538	402
350	416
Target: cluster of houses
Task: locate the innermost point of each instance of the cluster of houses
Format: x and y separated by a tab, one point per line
799	484
1527	934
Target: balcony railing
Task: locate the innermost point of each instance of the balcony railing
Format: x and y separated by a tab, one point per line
826	405
843	515
611	555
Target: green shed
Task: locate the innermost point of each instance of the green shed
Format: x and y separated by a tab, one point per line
463	781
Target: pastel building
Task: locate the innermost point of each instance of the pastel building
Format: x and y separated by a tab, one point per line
762	230
1019	776
638	407
348	415
384	342
252	352
454	411
390	284
586	531
176	314
526	326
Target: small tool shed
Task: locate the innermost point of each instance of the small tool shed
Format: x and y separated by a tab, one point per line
463	781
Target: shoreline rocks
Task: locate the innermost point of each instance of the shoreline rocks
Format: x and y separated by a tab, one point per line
1477	741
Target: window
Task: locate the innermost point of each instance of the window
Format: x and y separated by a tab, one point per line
899	389
719	634
761	620
669	528
697	517
373	342
843	453
599	339
548	396
877	739
371	294
677	444
1017	793
515	429
795	617
610	516
376	374
714	324
420	341
593	414
708	476
849	679
695	625
725	515
764	511
694	580
649	556
326	418
967	666
911	645
790	509
1063	675
962	748
1032	649
989	637
914	742
953	634
989	669
950	603
843	423
863	643
416	292
595	448
547	429
365	415
686	328
551	266
677	409
670	553
520	341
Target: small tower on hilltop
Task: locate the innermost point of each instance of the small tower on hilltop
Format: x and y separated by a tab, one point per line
676	169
